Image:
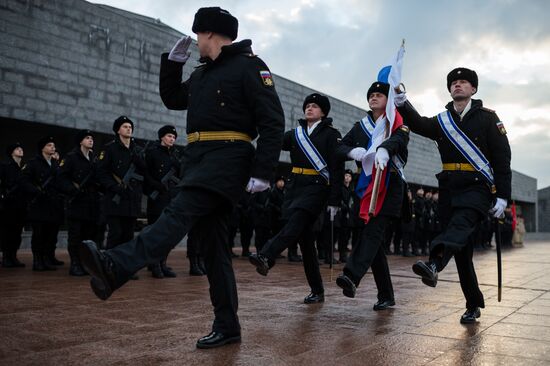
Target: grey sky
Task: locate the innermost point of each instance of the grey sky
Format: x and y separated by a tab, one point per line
338	47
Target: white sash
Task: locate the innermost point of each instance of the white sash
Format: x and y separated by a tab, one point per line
368	125
311	152
465	146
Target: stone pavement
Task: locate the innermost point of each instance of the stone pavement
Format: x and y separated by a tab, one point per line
53	319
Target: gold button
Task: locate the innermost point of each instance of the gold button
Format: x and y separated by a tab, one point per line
222	104
219	91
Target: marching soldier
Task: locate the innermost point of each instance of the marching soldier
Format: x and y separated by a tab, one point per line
359	144
14	206
77	179
45	210
230	99
315	181
163	172
476	157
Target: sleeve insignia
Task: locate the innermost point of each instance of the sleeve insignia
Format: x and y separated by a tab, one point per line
501	128
404	129
101	155
267	79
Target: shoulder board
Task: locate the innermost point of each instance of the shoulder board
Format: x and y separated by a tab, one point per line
488	110
404	129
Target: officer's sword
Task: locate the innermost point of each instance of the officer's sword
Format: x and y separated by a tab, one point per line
499	258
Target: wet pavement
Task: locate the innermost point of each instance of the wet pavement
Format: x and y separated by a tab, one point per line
49	318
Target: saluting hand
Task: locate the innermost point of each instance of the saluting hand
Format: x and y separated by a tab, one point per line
180	51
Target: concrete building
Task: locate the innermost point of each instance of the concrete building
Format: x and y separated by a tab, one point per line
72	64
544	209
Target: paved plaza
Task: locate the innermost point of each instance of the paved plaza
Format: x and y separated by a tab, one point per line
53	319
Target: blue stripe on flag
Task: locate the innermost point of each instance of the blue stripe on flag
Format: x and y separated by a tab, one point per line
384	74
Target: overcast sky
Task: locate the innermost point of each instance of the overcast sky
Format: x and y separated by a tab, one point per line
338	47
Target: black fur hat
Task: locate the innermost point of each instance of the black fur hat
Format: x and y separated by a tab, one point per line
164	130
319	99
120	121
378	87
216	20
462	73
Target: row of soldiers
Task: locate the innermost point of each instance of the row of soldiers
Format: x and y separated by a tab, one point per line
91	192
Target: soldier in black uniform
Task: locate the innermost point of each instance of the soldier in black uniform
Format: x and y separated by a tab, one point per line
419	207
163	173
465	193
13	206
77	179
345	213
38	180
230	100
369	251
122	199
308	192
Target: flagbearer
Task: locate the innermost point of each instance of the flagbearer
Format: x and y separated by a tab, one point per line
475	178
316	180
366	144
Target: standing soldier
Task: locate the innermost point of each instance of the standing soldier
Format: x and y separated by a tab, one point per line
163	172
346	212
77	179
230	100
14	207
476	157
365	135
120	171
315	181
45	206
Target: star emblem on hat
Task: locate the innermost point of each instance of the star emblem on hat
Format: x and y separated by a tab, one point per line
459	72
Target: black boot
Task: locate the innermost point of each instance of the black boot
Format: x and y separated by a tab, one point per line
202	265
167	271
52	260
194	268
46	261
37	263
75	269
7	261
156	271
101	267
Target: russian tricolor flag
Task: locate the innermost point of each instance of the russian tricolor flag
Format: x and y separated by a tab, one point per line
390	74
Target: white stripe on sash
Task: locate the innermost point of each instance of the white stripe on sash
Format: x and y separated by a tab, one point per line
466	147
311	152
367	124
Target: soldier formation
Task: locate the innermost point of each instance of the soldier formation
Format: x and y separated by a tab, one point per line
220	184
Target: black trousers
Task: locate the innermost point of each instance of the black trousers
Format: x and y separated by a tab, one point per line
201	210
44	237
193	243
369	252
11	236
457	240
78	230
344	235
406	241
262	235
120	230
298	229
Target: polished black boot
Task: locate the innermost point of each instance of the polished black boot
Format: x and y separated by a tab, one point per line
75	269
194	268
167	271
383	305
261	263
156	271
47	264
314	298
293	255
101	267
428	272
470	316
347	285
37	263
217	339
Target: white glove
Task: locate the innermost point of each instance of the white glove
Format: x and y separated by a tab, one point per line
332	210
400	99
257	185
381	158
357	153
498	210
180	51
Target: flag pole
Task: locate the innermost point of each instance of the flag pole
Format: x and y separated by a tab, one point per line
377	178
